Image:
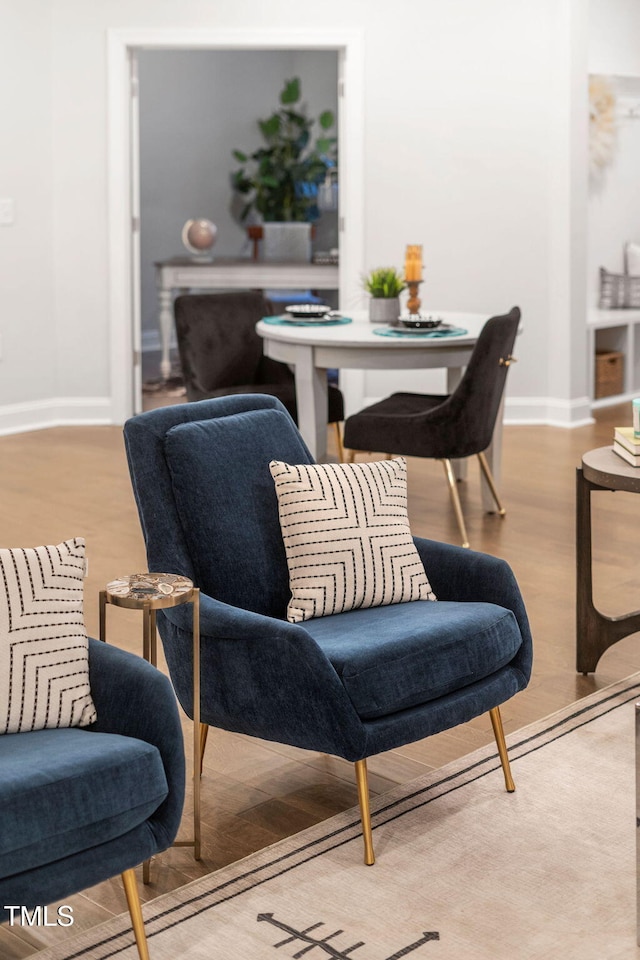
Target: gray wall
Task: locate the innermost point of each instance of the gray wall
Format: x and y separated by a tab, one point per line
195	108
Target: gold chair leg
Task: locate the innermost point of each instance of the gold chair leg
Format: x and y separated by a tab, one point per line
204	731
135	910
339	441
365	815
455	499
484	466
351	456
498	732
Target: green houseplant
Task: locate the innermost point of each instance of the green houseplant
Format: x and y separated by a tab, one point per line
280	179
385	285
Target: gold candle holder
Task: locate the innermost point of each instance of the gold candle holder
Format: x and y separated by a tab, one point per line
413	303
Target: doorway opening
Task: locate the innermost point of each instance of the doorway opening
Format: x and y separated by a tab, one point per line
131	276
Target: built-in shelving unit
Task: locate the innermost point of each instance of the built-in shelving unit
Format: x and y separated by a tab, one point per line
615	330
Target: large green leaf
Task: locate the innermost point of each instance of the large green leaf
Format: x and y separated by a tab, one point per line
270	127
326	119
324	144
291	91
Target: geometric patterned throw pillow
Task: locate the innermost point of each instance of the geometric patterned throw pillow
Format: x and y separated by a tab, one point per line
44	658
347	538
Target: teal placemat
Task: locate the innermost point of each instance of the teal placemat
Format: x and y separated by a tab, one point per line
292	322
405	334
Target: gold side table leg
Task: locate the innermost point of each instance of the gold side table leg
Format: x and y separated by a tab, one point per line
153	637
103	615
146	632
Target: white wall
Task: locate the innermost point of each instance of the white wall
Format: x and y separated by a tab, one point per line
463	136
614	29
27	315
195	108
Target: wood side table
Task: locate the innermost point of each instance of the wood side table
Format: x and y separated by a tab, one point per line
150	592
602	469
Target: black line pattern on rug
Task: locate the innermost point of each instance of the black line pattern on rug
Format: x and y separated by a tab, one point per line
197	899
329	948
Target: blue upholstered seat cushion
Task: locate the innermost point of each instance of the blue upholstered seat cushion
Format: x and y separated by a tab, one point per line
391	658
63	791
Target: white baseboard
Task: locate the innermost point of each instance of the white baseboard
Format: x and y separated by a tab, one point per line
76	411
56	412
551	411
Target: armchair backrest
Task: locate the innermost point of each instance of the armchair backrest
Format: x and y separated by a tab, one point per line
217	341
206	499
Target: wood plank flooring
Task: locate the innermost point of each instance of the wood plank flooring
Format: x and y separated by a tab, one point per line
68	482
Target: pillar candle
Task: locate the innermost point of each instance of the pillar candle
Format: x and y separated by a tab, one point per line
413	263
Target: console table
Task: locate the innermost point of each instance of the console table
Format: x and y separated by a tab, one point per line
602	469
187	273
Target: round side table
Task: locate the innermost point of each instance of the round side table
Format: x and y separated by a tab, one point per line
150	592
602	469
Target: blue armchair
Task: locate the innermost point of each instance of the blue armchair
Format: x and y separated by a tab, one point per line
352	684
81	805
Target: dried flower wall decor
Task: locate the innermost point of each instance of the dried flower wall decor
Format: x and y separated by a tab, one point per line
602	124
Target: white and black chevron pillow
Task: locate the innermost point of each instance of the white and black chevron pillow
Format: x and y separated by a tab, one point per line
44	657
346	536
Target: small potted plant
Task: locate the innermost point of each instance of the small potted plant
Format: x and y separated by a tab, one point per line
384	284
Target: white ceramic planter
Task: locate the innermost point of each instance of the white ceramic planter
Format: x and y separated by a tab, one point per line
286	241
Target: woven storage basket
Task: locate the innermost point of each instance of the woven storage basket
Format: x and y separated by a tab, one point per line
609	373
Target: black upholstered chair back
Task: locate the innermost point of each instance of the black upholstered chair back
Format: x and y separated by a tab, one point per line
474	404
218	345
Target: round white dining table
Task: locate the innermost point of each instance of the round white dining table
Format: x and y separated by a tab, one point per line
312	350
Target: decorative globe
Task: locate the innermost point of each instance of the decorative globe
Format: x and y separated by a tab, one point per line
199	236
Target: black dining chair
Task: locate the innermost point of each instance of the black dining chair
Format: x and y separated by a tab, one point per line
449	427
221	354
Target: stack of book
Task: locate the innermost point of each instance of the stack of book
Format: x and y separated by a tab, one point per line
626	445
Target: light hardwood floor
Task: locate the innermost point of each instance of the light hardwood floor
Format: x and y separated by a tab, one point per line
73	482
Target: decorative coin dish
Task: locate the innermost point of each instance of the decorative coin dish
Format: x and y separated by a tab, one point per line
421	323
308	311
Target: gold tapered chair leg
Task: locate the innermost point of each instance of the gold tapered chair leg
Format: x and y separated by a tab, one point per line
204	731
484	466
135	910
455	499
498	732
339	441
365	815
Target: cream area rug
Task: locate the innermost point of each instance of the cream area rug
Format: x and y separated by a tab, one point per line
464	870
